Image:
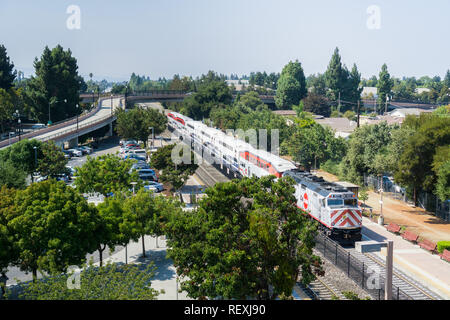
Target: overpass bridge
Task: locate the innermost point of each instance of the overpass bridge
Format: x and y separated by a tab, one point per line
71	129
160	96
103	115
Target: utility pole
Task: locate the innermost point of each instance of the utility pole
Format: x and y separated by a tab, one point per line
339	102
389	267
357	121
385	107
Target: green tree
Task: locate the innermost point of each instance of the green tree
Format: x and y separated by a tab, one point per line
443	182
111	217
246	240
212	91
56	80
317	104
335	76
314	145
250	100
415	166
8	253
105	174
7	72
384	85
139	212
175	174
136	123
447	79
52	161
53	227
7	107
111	282
291	87
22	155
11	176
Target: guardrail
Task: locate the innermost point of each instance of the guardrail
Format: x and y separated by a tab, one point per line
59	125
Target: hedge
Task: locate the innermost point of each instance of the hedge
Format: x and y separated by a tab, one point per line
442	245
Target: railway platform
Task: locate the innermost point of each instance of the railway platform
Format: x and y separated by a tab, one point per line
414	261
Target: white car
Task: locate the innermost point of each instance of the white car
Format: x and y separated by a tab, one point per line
76	152
86	149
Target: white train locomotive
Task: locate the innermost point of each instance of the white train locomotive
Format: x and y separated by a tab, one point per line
334	207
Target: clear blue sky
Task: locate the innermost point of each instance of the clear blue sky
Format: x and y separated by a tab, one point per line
189	37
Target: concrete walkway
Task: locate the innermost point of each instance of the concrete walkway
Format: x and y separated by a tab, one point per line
418	263
165	275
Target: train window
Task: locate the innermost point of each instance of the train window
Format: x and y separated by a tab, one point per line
350	202
335	202
303	186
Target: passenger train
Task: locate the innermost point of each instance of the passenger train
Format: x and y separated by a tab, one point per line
334	207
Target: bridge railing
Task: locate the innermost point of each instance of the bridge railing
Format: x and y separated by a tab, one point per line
80	126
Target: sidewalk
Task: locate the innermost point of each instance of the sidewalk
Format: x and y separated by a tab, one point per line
415	219
165	275
410	258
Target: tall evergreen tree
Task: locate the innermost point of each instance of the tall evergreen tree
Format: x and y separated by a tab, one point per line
335	76
56	80
291	85
353	93
384	85
7	72
447	79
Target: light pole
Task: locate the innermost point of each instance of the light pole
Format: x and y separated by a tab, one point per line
381	218
77	116
153	134
35	161
126	246
17	114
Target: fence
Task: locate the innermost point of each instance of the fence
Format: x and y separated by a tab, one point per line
355	269
425	200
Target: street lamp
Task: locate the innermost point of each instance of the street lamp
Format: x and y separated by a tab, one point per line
153	134
77	116
35	161
17	114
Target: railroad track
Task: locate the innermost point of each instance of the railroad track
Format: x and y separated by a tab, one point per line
405	283
320	290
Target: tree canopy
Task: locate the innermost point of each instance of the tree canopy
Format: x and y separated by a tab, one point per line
56	83
246	240
105	174
291	87
136	123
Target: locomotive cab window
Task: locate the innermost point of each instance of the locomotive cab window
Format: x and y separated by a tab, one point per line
335	202
350	202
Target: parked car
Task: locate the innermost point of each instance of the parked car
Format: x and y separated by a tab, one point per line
76	152
62	177
125	142
134	156
86	149
140	165
67	154
154	186
71	172
38	126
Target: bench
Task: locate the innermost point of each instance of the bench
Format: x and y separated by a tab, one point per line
392	227
446	255
410	236
428	245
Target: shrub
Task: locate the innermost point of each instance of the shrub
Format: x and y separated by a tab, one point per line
442	245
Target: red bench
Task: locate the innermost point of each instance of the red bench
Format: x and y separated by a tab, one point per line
428	245
445	255
410	236
392	227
